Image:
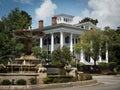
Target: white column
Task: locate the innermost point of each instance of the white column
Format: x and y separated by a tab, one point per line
81	56
61	39
52	42
100	58
71	42
106	52
41	42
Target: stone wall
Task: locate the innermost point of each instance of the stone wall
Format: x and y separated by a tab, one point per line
13	77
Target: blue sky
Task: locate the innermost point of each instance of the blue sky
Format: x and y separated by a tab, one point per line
106	11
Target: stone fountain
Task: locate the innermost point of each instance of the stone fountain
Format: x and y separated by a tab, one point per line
26	66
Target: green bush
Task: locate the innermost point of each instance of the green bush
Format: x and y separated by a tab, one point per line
6	82
103	66
33	81
48	80
78	65
85	77
21	82
88	77
112	65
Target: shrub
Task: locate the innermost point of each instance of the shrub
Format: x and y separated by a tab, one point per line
112	65
103	65
48	80
85	77
21	82
33	81
88	77
6	82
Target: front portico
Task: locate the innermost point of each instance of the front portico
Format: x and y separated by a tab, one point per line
59	37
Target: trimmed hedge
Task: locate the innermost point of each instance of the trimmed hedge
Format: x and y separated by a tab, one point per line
62	79
21	82
85	77
6	82
33	81
58	79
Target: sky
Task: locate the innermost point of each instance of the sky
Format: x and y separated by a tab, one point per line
106	11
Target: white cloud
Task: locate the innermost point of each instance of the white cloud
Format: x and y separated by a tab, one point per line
106	11
24	1
76	20
46	10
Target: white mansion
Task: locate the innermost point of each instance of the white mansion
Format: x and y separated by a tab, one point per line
62	33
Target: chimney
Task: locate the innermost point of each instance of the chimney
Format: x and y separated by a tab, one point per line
54	20
40	24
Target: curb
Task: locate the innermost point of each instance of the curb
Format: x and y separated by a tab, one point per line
49	86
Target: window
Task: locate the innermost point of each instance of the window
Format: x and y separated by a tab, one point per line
103	56
46	41
67	39
87	58
57	40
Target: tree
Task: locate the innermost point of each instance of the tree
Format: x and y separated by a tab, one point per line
16	20
61	56
90	42
113	44
67	56
40	53
87	19
5	44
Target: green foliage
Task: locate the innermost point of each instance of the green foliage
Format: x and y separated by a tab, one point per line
61	56
40	53
113	44
112	65
18	20
91	42
85	77
47	80
103	66
6	82
5	43
33	81
36	50
108	68
73	63
66	54
87	19
21	82
62	79
78	65
15	20
19	47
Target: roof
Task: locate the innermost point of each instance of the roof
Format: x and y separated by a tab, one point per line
86	23
59	25
67	15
